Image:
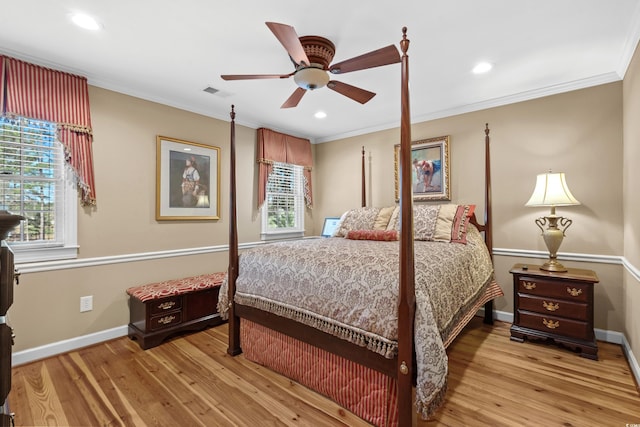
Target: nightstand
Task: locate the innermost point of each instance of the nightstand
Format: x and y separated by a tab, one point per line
557	306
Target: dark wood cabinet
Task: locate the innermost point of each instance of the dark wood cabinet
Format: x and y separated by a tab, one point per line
7	276
151	322
556	306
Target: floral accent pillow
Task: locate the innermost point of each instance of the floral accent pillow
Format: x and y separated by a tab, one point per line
424	221
425	218
358	219
380	235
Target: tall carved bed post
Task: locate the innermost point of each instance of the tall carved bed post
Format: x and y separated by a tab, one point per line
488	231
364	185
234	321
407	298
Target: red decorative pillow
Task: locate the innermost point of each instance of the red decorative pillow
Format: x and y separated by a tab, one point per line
381	235
460	222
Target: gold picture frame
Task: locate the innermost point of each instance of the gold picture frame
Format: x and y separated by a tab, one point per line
187	180
430	169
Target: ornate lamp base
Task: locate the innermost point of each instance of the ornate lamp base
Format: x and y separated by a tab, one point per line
553	238
553	265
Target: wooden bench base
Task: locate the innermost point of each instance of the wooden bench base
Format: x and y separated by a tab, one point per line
154	320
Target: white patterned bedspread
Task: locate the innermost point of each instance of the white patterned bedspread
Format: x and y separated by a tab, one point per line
349	288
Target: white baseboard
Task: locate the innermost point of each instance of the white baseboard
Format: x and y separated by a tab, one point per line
37	353
53	349
633	361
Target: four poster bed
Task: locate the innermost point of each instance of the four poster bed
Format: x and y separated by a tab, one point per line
337	314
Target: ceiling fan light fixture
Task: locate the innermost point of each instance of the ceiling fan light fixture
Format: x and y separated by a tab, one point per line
311	78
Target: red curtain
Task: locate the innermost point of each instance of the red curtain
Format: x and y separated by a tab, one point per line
41	93
2	84
279	147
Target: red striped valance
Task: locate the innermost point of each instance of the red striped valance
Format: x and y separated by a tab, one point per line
279	147
41	93
2	84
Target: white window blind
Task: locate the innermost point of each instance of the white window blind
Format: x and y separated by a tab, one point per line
32	181
283	210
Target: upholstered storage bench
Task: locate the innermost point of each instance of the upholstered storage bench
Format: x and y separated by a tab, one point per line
159	310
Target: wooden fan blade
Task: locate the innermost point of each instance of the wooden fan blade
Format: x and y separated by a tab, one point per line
294	99
287	36
384	56
355	93
254	76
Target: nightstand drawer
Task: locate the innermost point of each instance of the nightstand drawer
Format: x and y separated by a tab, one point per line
556	307
564	290
165	320
556	325
164	305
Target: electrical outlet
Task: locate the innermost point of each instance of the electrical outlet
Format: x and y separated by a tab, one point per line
86	303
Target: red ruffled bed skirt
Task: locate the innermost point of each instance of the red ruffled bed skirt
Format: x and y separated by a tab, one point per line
367	393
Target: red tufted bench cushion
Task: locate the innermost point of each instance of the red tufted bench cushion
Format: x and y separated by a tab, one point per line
174	287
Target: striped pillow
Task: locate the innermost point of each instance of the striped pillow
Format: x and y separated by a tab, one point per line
452	222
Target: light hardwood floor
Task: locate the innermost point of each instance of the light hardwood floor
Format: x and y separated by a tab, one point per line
191	381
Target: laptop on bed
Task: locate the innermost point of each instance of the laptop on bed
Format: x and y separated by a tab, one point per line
330	225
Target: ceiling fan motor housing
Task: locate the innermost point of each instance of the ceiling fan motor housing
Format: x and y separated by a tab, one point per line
320	52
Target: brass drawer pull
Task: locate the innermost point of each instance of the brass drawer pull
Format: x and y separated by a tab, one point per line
529	285
574	292
166	320
166	305
550	323
550	306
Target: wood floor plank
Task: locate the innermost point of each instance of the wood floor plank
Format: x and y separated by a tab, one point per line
190	380
41	399
281	396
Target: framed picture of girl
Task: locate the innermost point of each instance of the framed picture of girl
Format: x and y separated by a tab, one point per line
430	169
187	180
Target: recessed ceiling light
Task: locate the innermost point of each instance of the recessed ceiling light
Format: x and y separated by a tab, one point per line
320	115
482	67
85	21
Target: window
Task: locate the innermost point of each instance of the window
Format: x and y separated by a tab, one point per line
283	209
33	184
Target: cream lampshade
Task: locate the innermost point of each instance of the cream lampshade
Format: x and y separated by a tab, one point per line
551	190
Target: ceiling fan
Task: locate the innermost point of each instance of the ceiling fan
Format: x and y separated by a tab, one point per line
311	56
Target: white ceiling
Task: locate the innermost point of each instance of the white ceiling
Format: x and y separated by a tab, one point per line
169	51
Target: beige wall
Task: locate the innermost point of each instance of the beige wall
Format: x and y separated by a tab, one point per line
46	307
579	133
631	176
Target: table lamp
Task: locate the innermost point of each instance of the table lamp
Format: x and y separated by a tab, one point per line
551	190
